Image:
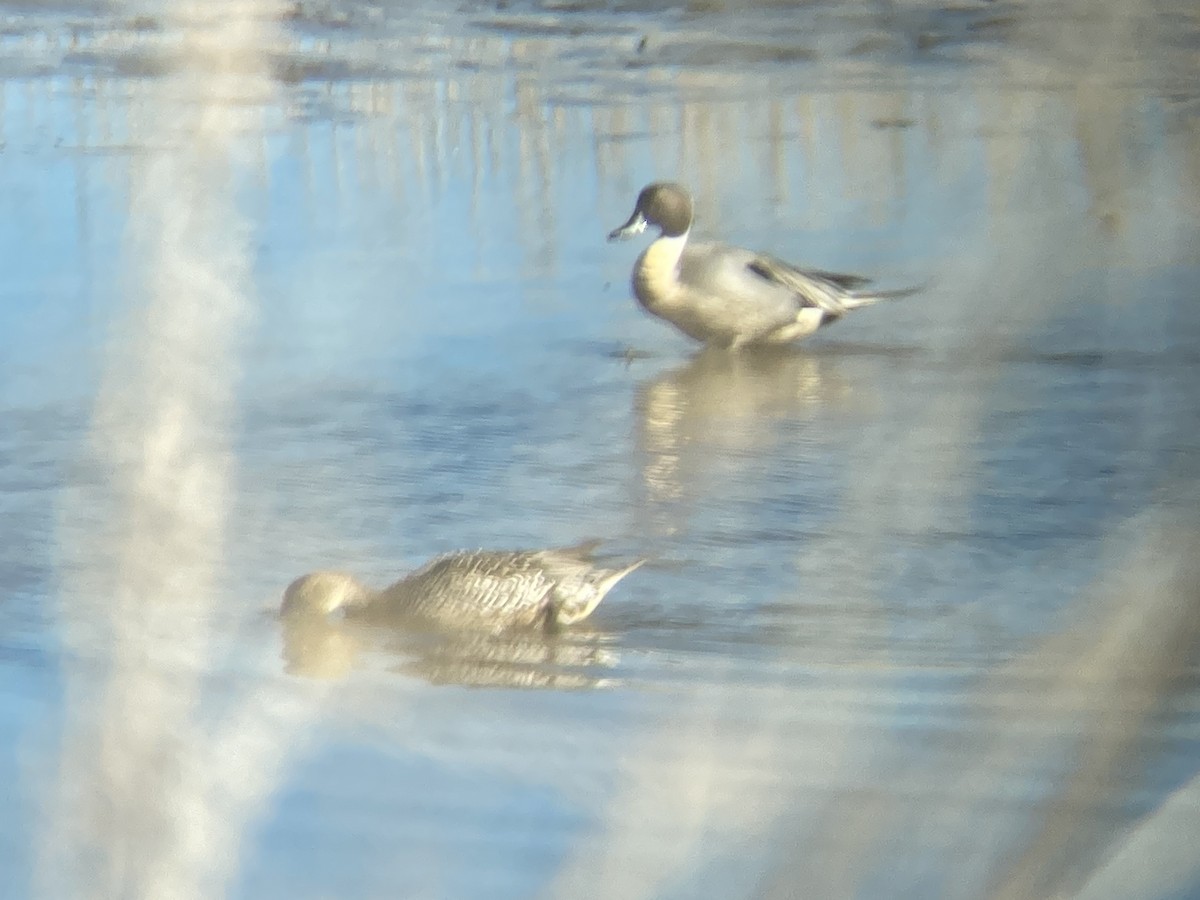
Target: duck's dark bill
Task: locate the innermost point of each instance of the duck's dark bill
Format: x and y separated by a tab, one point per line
635	225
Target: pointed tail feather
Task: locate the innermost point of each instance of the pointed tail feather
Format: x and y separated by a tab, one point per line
610	577
855	299
573	603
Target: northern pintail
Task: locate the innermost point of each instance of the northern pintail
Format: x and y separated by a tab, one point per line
493	589
727	295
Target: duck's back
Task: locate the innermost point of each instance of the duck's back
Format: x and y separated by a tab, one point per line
481	587
499	589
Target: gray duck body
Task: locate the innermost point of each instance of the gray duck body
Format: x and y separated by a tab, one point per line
730	296
491	589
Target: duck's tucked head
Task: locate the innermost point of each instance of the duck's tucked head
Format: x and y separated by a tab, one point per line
665	204
322	593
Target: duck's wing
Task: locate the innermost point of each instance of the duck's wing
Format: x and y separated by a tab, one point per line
722	284
813	287
774	288
506	588
769	267
471	588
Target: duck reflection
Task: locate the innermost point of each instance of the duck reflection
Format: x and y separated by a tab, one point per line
721	405
315	647
323	648
560	662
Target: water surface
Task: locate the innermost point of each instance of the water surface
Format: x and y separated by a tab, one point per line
326	285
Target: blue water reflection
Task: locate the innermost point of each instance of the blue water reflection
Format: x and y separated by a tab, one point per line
890	638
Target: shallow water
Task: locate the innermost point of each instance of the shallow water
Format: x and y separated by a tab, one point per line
326	286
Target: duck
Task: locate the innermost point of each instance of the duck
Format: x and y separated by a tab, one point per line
494	590
729	296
